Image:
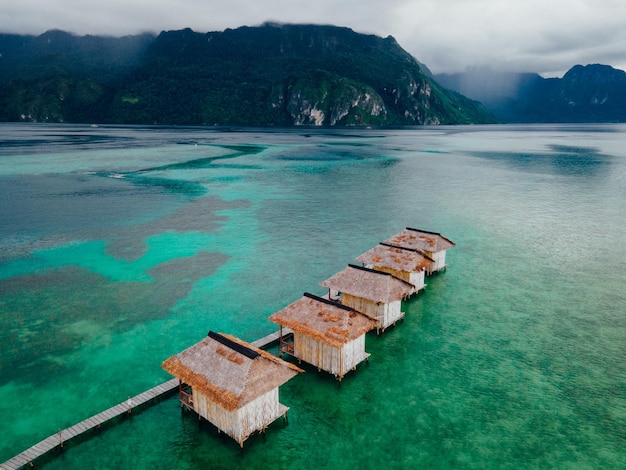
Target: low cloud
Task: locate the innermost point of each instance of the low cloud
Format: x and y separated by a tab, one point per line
447	35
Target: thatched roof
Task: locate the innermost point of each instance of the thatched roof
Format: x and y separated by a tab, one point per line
396	258
420	240
324	320
369	284
229	371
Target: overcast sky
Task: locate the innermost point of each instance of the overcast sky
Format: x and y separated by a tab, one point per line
543	36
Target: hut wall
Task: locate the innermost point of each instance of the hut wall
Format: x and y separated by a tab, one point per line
316	353
367	307
384	314
259	413
354	353
337	361
413	278
242	422
439	259
393	313
417	279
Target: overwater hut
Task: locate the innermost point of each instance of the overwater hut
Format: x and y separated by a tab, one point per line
433	244
404	263
377	294
326	334
231	384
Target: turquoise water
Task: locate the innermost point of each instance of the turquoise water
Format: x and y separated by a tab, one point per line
122	246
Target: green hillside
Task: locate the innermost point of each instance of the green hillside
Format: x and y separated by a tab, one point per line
277	75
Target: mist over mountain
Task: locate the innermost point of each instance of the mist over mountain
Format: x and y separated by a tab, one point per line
279	75
591	93
268	75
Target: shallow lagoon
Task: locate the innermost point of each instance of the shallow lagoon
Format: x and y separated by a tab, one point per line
122	246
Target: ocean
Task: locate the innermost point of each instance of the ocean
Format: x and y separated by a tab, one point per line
121	246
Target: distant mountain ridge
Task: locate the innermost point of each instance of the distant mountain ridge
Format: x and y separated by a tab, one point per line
591	93
268	75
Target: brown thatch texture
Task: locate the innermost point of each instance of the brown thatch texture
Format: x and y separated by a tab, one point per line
420	240
330	324
368	284
227	377
396	258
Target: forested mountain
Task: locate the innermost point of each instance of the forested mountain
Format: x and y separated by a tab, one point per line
59	77
267	75
591	93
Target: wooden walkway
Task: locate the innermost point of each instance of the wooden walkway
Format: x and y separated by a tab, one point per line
57	440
